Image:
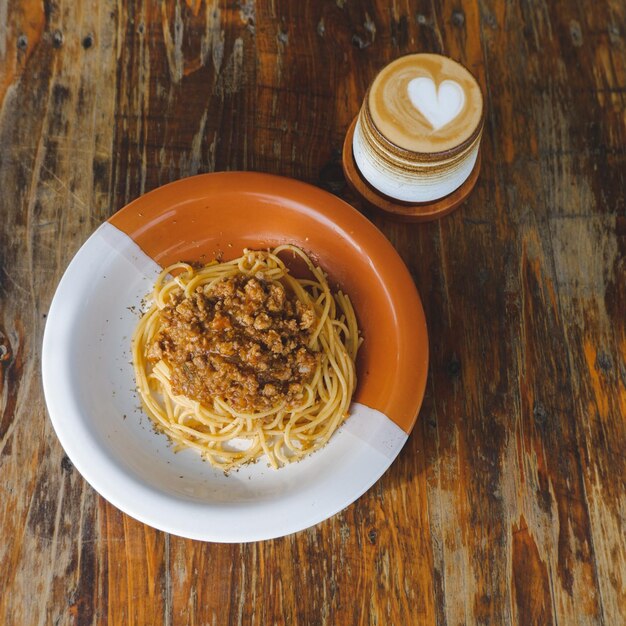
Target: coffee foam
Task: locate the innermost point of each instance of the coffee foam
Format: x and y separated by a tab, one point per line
418	132
425	103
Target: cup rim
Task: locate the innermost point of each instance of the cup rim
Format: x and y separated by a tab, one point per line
411	155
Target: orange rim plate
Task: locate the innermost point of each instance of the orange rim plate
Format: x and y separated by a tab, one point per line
89	384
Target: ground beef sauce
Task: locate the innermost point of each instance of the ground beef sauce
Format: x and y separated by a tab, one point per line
245	340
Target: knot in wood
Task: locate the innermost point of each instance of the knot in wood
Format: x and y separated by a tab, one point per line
5	348
603	362
540	414
454	367
458	18
66	464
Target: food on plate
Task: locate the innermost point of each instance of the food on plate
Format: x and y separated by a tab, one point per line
240	359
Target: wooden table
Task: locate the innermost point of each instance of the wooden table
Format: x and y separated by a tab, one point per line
508	504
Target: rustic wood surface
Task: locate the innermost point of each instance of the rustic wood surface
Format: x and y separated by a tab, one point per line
508	504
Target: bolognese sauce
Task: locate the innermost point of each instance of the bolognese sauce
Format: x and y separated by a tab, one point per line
243	339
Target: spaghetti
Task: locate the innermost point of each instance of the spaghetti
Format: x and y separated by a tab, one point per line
240	360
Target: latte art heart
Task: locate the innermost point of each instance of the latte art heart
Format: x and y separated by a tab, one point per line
438	105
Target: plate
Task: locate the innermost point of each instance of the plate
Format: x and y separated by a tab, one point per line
89	384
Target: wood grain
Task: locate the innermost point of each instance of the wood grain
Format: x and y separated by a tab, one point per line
508	503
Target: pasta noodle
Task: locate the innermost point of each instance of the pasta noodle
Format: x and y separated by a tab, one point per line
222	433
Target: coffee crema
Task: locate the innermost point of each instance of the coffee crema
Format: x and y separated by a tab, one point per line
419	129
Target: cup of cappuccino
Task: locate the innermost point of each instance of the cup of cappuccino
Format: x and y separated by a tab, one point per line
418	132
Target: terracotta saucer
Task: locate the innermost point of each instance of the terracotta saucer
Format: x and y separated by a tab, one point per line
403	211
